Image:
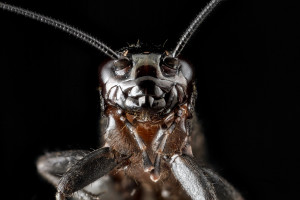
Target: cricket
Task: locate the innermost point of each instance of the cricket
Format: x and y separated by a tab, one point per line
148	97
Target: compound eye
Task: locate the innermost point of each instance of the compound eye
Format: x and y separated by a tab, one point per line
170	65
122	66
171	62
122	63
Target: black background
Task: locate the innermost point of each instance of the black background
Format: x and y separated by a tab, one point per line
246	57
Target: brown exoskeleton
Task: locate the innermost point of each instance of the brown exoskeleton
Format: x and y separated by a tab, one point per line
147	100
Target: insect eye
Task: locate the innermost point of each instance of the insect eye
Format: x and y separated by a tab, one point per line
169	66
171	62
122	63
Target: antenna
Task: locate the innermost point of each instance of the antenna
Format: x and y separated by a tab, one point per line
64	27
194	25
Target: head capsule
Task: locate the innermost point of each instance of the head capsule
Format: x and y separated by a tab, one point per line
146	82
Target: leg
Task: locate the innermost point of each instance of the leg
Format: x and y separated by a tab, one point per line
52	166
223	188
178	121
155	174
148	166
201	183
76	173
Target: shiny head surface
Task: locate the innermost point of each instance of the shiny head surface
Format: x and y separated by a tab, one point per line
148	83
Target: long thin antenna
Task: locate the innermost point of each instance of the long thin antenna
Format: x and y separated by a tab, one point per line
64	27
193	26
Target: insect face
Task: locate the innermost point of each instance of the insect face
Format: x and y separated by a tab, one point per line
146	82
148	103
